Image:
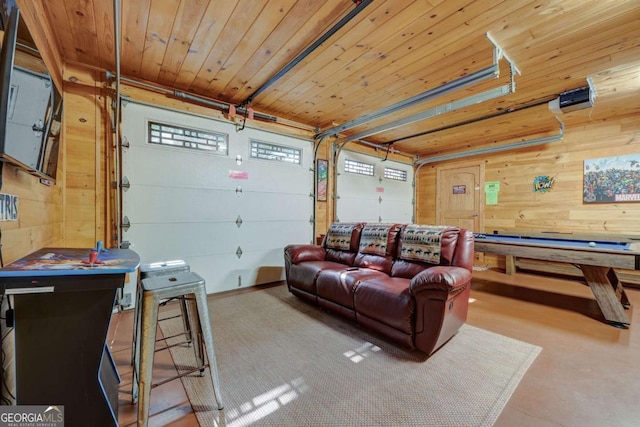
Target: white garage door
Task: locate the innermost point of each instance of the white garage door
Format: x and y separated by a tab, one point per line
374	190
227	213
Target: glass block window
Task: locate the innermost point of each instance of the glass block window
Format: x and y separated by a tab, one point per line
195	139
278	153
358	167
396	174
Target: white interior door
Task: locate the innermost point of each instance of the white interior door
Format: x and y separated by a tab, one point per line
227	214
367	194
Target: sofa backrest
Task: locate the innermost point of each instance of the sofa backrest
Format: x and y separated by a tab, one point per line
341	242
455	248
378	245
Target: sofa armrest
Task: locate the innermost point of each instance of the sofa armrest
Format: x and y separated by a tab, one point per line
440	278
296	254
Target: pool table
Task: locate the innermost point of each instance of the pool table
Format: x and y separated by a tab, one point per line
595	258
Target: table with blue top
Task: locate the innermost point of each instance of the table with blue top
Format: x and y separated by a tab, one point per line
62	301
595	258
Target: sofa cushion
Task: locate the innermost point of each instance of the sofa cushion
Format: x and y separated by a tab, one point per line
338	285
409	268
340	236
378	244
303	276
375	239
421	243
386	299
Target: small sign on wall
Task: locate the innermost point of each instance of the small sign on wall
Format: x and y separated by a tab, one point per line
491	190
543	183
8	207
459	189
238	174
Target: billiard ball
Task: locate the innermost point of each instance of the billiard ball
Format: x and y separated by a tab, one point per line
592	244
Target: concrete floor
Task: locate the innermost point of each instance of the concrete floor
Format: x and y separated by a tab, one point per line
588	373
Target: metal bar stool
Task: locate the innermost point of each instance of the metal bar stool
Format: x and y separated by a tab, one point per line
154	291
154	269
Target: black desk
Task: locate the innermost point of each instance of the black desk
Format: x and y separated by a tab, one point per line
63	308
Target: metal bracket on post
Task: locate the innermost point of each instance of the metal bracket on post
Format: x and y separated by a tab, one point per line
126	224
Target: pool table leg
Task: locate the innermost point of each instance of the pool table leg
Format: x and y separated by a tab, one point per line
510	264
609	293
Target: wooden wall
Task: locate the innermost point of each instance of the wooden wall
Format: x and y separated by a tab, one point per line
88	132
561	209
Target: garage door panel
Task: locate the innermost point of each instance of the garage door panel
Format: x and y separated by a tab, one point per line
153	204
159	166
269	178
212	239
178	240
183	204
228	272
274	206
374	198
136	115
272	234
357	193
220	273
395	213
354	209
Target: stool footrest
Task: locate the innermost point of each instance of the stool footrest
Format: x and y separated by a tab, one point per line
168	346
183	374
179	334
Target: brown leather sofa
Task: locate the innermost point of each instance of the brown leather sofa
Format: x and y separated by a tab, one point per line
408	282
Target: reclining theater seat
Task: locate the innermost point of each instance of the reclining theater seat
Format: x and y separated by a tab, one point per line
304	262
410	283
423	301
335	289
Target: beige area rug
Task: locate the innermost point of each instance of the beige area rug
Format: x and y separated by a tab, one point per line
283	362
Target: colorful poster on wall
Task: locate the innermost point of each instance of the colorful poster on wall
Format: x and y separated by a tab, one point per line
323	178
543	183
612	179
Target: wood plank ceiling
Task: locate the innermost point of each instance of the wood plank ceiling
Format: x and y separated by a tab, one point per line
390	51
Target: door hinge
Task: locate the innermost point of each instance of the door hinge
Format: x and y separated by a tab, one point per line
126	224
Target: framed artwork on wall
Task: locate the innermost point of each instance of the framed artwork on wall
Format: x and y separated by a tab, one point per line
322	171
612	179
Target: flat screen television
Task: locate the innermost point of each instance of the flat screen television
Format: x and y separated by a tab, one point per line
30	104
